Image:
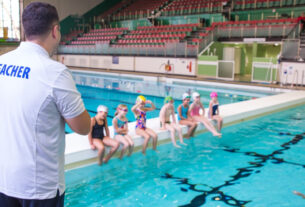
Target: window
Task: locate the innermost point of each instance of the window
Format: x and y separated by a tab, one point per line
10	19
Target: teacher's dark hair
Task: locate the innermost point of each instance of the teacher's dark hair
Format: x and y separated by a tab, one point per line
38	19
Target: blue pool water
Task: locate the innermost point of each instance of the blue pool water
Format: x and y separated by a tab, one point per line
112	91
257	163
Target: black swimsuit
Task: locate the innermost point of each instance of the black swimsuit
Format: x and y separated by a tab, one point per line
98	130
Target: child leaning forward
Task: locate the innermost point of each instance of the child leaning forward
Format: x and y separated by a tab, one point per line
194	111
166	111
120	125
97	138
184	116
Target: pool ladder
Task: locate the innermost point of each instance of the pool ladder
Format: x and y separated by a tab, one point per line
295	79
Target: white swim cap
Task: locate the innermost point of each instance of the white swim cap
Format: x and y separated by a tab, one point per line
195	94
102	108
185	95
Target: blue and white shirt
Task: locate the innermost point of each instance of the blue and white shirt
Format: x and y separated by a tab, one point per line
36	95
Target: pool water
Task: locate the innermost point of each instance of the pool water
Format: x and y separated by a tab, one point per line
258	163
94	96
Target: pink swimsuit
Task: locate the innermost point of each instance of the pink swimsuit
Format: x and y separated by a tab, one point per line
195	111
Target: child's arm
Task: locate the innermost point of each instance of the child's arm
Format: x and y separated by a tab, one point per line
191	107
90	133
153	107
116	128
210	109
134	109
106	128
162	117
115	125
202	107
126	127
299	194
189	115
180	112
173	115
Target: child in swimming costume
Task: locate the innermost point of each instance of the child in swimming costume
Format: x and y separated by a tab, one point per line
194	111
139	111
120	125
214	110
97	138
166	111
184	116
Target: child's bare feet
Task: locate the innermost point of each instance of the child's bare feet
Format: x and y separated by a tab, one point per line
105	160
156	151
183	143
187	136
177	146
100	162
217	135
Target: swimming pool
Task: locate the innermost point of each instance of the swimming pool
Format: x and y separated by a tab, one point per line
256	163
112	90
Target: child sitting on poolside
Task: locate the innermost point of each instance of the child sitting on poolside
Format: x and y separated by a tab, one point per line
139	111
97	138
166	111
214	110
194	111
184	117
120	125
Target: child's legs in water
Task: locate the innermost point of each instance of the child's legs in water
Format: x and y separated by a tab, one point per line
131	143
114	144
192	125
172	132
207	124
219	121
154	137
98	143
179	130
121	139
146	136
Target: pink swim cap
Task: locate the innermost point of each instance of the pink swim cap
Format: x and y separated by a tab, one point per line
213	94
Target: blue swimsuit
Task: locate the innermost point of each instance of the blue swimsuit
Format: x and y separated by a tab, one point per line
183	112
121	125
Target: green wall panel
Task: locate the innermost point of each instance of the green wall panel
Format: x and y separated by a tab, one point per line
207	70
263	51
208	58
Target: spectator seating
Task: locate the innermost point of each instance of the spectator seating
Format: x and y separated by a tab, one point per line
157	35
114	9
140	9
99	36
257	4
68	37
183	7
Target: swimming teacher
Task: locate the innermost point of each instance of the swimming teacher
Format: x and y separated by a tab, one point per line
38	96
